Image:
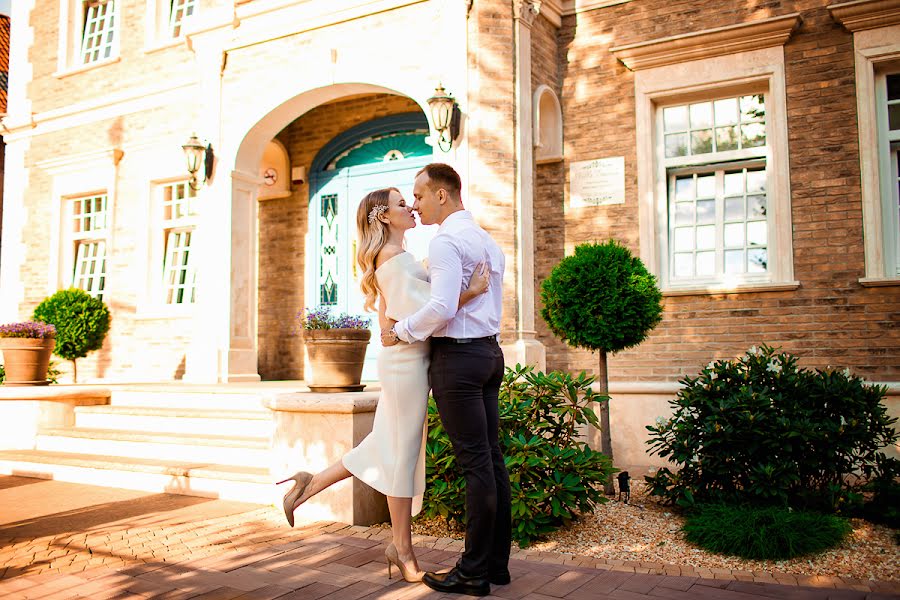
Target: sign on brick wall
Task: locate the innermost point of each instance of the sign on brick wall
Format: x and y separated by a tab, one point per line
597	182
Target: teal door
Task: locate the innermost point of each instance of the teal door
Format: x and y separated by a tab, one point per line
332	274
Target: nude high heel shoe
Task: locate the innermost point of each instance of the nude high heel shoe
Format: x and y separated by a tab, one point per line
301	481
390	555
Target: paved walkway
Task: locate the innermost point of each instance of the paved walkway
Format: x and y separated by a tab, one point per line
61	540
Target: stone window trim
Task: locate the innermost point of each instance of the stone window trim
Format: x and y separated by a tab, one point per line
547	124
72	15
754	71
709	43
876	30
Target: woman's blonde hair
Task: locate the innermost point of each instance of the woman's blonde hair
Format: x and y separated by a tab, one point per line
372	238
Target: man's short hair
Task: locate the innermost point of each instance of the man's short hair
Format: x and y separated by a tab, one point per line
443	176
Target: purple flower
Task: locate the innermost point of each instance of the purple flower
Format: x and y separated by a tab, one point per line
321	318
28	329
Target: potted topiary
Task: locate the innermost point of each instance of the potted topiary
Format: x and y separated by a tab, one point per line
81	321
335	349
26	351
601	298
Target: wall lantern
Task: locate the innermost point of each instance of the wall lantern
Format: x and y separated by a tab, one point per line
445	115
196	154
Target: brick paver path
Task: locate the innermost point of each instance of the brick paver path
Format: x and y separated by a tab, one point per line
60	540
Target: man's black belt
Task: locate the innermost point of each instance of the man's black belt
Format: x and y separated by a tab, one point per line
452	340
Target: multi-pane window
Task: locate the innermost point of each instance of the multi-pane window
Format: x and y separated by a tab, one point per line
179	222
89	227
892	197
99	34
714	159
178	11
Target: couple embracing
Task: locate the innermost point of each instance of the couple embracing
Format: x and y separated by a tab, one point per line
439	328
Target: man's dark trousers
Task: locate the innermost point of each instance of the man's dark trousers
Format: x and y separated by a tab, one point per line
465	381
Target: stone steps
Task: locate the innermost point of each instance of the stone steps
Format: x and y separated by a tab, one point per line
163	419
192	478
232	450
162	396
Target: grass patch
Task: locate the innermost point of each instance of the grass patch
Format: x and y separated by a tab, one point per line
763	533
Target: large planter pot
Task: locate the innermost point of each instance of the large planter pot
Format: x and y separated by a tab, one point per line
335	358
26	360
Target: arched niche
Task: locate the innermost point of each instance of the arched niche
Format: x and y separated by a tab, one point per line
548	132
275	170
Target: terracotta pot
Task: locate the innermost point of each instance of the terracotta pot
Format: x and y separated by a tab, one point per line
335	358
26	360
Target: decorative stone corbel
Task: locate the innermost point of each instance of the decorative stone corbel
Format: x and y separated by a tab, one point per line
526	11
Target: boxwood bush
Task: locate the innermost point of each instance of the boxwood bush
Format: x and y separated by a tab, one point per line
554	474
761	431
81	321
766	533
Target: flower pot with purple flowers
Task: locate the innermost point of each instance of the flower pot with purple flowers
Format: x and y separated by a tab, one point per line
26	349
335	349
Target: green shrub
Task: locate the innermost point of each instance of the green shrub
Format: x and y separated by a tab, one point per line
81	321
884	504
768	533
601	298
2	374
759	430
554	475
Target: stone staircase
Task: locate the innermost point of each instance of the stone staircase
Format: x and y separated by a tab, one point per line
160	439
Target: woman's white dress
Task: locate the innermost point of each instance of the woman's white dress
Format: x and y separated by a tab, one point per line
391	458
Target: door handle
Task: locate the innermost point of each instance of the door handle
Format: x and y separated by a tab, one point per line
353	261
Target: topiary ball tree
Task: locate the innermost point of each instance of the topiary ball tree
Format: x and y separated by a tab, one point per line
601	298
81	321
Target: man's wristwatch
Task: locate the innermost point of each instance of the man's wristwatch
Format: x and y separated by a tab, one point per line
390	335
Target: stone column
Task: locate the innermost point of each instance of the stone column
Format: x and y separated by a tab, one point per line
526	349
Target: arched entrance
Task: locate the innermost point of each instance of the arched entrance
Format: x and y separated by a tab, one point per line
383	152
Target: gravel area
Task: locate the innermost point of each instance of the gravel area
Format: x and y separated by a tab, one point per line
648	532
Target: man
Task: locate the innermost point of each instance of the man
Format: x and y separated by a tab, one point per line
465	374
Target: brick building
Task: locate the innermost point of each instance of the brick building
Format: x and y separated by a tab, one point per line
747	151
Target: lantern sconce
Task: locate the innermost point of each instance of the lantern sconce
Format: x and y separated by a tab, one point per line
196	152
445	115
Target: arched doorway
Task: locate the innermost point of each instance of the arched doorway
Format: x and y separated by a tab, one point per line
383	152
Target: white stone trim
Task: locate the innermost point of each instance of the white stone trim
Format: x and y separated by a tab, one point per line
548	129
874	49
573	7
720	41
103	107
879	282
71	25
757	70
733	289
860	15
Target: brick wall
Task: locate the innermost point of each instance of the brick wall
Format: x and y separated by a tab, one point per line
831	319
283	227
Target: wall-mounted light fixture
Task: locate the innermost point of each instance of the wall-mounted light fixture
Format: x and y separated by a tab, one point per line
445	115
197	153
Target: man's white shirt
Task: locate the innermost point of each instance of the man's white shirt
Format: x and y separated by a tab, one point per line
459	247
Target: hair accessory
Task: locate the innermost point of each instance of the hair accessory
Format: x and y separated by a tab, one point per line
377	211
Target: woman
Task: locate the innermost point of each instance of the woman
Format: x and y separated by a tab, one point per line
391	458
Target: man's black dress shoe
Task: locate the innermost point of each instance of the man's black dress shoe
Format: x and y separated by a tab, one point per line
455	582
500	578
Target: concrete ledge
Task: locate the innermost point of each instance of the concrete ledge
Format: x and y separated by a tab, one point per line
79	395
332	403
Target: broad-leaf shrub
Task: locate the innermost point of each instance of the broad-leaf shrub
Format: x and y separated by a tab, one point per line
761	431
554	474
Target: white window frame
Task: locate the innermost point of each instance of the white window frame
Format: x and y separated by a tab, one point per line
877	52
167	230
81	238
671	168
753	71
71	37
158	34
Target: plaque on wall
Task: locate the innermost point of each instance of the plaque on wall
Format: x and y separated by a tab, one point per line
597	182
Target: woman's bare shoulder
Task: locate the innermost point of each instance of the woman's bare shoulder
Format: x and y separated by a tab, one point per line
387	253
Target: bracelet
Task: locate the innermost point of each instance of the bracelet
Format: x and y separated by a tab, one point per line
390	335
